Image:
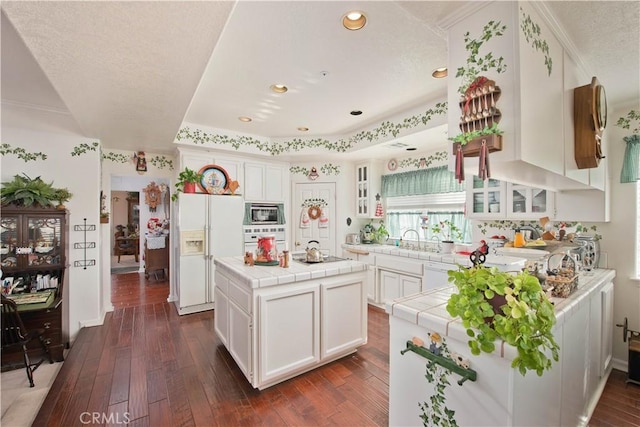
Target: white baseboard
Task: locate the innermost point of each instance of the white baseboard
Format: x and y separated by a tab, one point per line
621	365
94	322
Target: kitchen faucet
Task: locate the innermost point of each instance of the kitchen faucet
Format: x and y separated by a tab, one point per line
417	234
535	234
437	239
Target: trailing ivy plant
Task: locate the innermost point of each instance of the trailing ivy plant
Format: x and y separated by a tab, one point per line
466	137
477	64
625	122
524	321
532	35
434	410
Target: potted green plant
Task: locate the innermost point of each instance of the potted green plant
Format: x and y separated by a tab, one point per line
24	191
62	195
187	180
498	305
380	234
448	233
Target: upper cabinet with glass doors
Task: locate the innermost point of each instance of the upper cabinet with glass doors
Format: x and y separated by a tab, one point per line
493	199
32	240
367	187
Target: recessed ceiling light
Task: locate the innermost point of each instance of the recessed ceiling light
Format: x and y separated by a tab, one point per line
411	149
279	88
303	129
355	112
244	119
354	20
440	73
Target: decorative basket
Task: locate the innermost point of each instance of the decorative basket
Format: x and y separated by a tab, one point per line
563	286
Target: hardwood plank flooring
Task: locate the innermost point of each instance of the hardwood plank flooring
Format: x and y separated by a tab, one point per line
147	366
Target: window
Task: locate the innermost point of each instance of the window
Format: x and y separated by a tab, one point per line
404	213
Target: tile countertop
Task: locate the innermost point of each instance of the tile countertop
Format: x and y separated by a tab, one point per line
430	256
259	276
428	309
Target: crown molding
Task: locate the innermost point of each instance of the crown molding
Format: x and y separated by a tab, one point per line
12	103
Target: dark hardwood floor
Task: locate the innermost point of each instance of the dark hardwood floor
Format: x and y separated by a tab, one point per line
151	367
147	366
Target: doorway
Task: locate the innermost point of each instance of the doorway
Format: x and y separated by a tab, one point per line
125	232
314	215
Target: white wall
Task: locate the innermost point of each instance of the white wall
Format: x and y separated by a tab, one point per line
56	135
618	238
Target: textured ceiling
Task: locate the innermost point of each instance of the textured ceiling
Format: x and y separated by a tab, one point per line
130	73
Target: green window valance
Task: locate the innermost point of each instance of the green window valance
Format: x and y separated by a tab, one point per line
631	162
423	181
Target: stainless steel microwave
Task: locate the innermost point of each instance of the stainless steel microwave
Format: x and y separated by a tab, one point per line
264	213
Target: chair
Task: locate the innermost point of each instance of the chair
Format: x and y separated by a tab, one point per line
125	246
14	334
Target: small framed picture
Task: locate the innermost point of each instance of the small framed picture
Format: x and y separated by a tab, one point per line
7	284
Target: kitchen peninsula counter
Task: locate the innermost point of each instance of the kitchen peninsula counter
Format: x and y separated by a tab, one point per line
565	395
280	322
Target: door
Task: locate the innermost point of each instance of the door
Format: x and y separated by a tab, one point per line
315	229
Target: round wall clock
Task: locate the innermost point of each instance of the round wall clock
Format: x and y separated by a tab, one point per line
600	107
392	165
589	120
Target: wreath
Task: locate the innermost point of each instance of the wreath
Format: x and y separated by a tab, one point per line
314	212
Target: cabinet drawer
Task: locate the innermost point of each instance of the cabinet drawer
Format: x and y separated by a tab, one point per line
222	283
367	259
399	264
241	297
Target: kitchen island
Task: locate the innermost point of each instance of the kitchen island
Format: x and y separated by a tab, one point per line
499	396
280	322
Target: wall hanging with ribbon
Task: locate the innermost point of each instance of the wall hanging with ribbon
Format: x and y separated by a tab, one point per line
478	123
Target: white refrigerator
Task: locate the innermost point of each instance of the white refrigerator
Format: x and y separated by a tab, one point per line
209	227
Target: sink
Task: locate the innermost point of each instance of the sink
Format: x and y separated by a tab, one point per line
325	259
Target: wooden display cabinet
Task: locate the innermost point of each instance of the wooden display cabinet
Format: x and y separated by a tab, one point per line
34	249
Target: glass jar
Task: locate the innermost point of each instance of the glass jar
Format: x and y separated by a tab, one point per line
267	250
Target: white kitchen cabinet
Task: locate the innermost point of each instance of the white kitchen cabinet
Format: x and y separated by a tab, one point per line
370	260
534	94
240	338
289	333
221	323
394	285
529	203
343	327
265	182
494	199
368	184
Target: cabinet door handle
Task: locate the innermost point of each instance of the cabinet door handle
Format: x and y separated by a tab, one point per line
47	325
47	341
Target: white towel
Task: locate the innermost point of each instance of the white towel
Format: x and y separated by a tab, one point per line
304	218
155	242
323	222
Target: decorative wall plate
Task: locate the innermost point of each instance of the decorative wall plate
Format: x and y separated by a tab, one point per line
392	165
215	179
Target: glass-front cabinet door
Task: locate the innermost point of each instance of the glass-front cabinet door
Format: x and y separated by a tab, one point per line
32	240
531	203
485	198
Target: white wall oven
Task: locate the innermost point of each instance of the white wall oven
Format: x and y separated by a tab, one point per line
252	233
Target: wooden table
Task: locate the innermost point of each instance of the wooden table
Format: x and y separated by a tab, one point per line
132	247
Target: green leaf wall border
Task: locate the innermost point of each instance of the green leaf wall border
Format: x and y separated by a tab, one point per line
161	162
531	32
84	148
625	122
116	157
475	65
21	153
507	224
423	162
274	148
327	169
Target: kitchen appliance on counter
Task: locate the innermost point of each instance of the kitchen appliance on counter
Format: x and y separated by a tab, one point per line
352	239
590	253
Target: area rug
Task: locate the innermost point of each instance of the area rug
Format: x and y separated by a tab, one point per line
121	270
